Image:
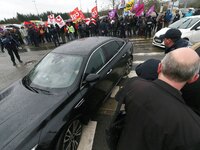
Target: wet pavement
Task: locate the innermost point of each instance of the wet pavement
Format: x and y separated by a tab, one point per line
30	55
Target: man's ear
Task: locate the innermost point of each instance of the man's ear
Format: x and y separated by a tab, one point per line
159	68
193	79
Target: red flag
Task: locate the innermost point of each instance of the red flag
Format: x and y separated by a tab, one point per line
76	14
94	12
81	15
139	10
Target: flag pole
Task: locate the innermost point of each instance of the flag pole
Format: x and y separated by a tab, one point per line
80	4
96	2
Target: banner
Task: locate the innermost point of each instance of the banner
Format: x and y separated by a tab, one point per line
139	10
94	12
88	21
135	6
51	19
112	14
129	5
122	4
151	9
59	21
76	15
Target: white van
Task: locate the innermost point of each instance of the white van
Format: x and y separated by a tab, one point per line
189	26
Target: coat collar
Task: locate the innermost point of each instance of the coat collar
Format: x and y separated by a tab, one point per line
169	89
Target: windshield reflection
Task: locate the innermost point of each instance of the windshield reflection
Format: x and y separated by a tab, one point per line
55	71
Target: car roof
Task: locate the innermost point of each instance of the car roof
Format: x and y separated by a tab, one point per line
83	46
197	16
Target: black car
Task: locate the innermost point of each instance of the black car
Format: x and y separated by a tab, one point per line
46	109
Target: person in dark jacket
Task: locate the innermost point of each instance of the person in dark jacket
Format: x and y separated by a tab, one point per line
190	92
177	16
149	26
157	117
11	45
54	34
2	47
172	40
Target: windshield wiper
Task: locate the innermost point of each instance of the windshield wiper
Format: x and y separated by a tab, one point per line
42	90
31	88
27	85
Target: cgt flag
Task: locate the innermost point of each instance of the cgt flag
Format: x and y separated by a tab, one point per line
59	21
51	19
76	14
94	12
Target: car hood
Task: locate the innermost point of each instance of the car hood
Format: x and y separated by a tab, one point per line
20	109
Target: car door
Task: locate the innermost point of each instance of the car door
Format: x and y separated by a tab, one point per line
116	59
195	32
94	93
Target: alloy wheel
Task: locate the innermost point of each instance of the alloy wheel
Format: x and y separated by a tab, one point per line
72	136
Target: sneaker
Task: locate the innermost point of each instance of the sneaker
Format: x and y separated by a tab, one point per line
14	64
20	61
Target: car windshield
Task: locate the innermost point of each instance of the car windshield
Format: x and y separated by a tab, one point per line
55	71
184	23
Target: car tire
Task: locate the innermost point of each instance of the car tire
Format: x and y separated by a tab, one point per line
129	66
70	137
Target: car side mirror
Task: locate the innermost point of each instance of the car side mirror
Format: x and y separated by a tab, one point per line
92	77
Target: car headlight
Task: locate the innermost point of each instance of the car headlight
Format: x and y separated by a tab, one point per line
35	147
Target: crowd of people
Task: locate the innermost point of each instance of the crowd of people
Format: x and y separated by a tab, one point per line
123	27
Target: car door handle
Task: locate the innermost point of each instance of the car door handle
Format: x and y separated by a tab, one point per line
109	71
80	103
124	56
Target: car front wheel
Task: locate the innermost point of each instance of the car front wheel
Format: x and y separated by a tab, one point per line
70	138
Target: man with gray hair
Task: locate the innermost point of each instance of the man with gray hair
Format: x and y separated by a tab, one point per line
157	117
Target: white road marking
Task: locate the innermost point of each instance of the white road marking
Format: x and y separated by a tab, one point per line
114	91
138	62
132	74
87	137
148	54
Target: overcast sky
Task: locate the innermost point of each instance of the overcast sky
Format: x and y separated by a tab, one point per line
9	8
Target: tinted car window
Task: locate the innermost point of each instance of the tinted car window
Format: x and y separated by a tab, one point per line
96	61
110	49
121	43
184	23
56	71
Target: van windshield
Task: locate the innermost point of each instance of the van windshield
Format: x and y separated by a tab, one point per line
184	23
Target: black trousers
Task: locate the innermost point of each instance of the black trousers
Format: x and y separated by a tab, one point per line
12	52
